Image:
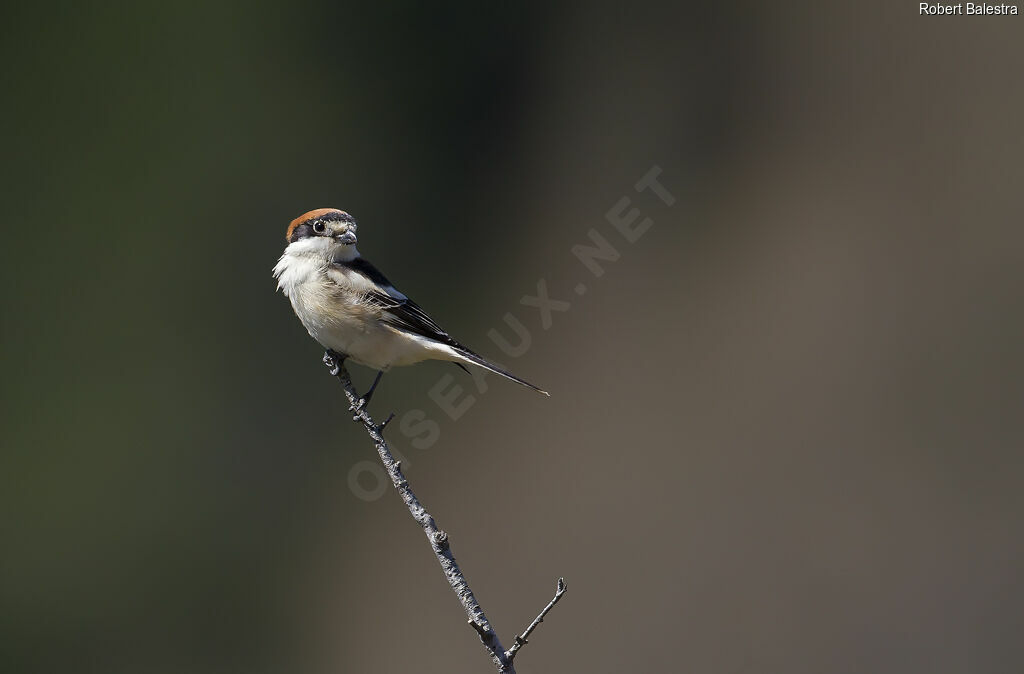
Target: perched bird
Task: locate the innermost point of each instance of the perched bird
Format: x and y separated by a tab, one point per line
351	308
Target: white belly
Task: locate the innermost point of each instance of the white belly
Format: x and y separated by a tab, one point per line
353	328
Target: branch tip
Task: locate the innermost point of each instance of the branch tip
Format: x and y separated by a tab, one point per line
520	640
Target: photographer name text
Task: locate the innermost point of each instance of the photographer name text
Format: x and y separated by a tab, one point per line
965	9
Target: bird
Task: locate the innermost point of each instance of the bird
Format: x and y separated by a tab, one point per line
349	307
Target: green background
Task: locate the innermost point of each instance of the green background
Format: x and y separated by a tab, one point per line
784	432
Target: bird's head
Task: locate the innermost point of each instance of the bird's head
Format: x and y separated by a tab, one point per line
326	230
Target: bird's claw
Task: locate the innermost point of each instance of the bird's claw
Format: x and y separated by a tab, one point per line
365	399
333	361
384	424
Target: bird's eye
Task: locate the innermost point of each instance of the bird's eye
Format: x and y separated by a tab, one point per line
318	227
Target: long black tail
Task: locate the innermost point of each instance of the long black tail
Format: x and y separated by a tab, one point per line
477	360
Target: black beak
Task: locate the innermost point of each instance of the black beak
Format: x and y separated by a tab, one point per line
346	238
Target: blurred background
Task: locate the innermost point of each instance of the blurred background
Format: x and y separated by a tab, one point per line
785	426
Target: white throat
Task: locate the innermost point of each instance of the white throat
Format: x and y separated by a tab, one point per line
306	258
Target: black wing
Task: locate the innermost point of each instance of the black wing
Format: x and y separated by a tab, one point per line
405	314
400	311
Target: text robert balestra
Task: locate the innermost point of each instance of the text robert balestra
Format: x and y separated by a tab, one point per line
965	9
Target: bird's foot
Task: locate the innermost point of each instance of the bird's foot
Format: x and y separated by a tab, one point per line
365	400
384	424
333	360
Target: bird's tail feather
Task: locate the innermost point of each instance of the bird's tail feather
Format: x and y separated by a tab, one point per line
471	357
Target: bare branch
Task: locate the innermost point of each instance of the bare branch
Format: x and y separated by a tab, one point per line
521	641
438	539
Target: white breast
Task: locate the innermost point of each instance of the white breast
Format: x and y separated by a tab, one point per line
335	313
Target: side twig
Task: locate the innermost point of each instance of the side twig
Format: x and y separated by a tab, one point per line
437	538
521	641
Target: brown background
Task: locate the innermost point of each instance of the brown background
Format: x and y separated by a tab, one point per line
784	432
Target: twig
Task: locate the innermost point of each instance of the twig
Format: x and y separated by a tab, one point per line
521	641
438	539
